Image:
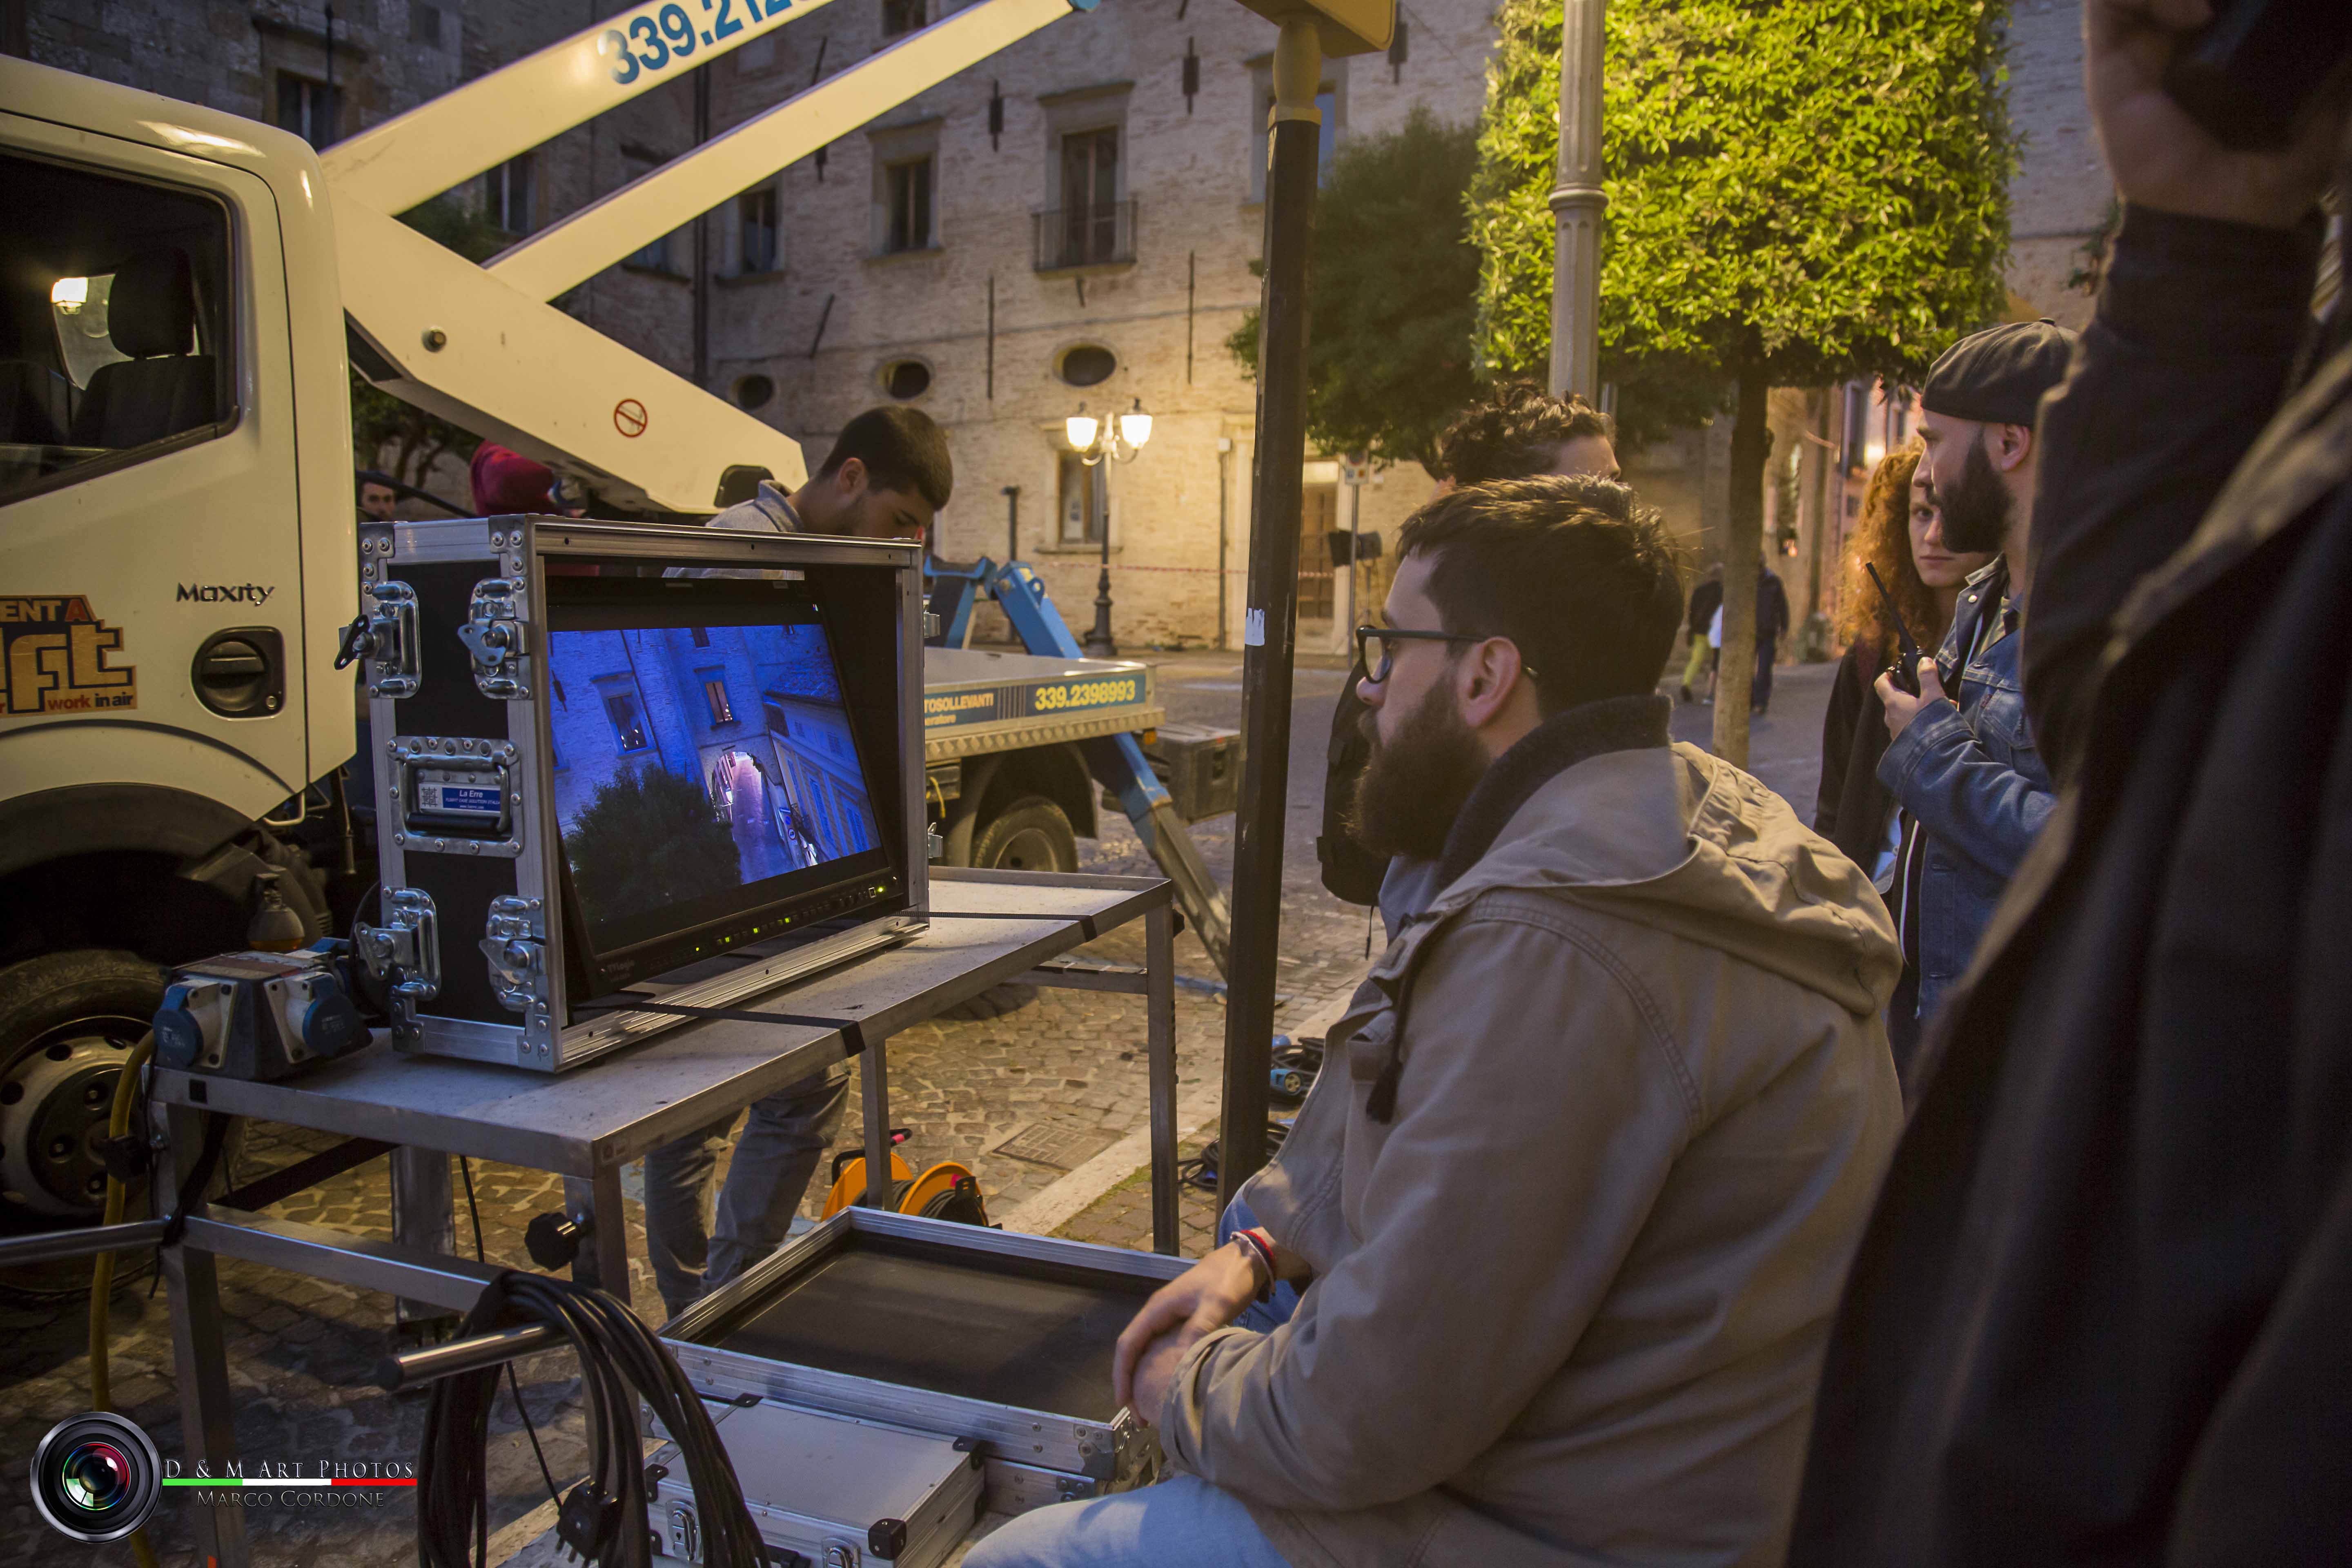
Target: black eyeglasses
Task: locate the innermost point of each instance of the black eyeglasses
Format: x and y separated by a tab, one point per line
1376	647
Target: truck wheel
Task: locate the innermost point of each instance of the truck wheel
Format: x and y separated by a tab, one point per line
1029	834
67	1020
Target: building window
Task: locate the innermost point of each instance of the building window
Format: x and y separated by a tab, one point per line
906	378
753	391
1082	501
1090	226
628	724
308	109
908	195
1088	365
901	16
506	193
714	691
755	222
424	24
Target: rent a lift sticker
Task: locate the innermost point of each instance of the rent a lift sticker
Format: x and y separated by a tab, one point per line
57	657
947	710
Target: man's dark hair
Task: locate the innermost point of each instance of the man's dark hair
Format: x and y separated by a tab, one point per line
902	448
1568	568
363	478
1518	431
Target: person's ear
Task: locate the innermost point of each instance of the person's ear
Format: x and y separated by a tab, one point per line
2011	445
1488	673
850	477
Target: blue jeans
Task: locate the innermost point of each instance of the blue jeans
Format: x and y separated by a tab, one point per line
1182	1522
783	1138
1264	1316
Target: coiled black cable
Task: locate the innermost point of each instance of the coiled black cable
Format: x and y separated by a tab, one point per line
603	1518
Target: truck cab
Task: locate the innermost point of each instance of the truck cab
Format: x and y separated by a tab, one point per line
177	542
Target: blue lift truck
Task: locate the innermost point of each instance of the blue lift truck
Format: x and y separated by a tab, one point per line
1021	746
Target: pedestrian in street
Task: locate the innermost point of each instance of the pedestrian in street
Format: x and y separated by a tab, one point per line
1965	769
1901	535
2100	1315
1644	988
378	497
1705	602
886	478
1772	622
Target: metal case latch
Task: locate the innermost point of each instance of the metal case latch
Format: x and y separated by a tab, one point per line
392	646
494	633
517	951
405	951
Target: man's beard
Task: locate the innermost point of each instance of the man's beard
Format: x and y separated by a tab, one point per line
1412	788
1977	508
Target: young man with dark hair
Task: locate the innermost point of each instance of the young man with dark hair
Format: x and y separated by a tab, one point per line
377	497
1576	1194
888	476
1520	430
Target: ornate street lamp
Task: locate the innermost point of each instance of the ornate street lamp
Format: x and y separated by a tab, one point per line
1100	443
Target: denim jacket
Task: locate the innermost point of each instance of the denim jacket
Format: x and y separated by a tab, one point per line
1968	773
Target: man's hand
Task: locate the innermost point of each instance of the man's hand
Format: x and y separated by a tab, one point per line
1900	705
2162	158
1205	1298
1154	1373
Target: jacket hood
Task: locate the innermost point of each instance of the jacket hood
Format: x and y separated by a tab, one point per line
1680	841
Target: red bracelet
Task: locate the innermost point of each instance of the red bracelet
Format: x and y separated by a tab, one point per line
1260	1248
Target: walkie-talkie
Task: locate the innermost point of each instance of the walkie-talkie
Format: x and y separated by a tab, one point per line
1906	667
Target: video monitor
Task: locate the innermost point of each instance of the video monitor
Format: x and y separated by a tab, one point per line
709	784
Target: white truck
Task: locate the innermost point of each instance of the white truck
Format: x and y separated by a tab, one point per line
183	295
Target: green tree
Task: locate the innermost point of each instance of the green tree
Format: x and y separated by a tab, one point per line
648	839
1800	191
1393	288
379	419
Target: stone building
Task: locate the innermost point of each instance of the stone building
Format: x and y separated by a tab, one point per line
1070	223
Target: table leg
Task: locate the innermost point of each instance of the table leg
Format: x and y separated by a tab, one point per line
200	1353
423	1215
874	1083
603	1260
1159	1011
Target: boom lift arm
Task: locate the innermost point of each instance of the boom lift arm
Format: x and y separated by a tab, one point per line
481	348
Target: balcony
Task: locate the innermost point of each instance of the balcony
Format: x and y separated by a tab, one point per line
1099	234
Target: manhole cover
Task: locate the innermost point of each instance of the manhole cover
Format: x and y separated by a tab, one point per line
1063	1148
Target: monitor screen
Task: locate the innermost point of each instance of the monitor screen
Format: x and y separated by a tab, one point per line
706	765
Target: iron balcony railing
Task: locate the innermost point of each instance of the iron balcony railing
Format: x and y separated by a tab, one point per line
1096	235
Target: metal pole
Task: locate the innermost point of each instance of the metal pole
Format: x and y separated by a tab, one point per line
1576	203
1270	613
1099	640
1224	536
1012	523
1160	1008
702	241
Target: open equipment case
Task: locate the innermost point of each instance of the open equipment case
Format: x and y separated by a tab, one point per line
999	1340
603	752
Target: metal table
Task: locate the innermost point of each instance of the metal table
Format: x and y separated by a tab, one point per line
987	927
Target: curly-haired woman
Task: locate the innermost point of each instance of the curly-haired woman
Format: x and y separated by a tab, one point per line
1901	533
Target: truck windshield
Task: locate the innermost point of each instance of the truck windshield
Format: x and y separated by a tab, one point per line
114	340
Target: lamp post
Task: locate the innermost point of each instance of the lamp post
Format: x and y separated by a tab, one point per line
1098	444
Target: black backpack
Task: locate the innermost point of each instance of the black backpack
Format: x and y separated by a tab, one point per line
1351	871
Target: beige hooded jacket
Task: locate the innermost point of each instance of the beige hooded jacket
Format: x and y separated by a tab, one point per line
1571	1302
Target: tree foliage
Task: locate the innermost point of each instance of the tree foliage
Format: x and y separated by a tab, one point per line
648	840
1819	187
1393	288
1800	191
378	419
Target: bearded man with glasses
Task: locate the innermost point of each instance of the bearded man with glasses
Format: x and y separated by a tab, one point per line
1571	1203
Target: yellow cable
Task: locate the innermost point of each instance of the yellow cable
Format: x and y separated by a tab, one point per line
101	1278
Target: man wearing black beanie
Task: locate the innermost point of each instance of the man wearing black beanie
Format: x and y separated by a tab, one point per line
1971	784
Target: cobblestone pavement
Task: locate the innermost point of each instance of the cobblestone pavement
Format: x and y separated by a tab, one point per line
300	1350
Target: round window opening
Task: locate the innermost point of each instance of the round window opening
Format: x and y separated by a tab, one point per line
906	378
753	391
1088	365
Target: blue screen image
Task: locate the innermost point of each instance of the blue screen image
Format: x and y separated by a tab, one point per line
692	760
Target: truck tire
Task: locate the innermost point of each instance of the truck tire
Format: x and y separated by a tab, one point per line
1029	834
66	1019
